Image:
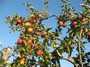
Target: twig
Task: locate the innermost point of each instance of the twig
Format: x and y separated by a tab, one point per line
79	49
67	59
48	17
84	5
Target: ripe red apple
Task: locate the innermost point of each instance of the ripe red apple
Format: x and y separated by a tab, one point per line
39	52
20	41
33	19
19	21
74	24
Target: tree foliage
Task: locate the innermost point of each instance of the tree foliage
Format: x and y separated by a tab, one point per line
32	46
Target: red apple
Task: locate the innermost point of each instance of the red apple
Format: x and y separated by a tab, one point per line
39	52
74	24
33	19
20	41
19	21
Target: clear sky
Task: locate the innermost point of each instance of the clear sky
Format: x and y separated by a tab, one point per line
10	7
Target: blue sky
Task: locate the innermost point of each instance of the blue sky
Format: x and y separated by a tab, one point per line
10	7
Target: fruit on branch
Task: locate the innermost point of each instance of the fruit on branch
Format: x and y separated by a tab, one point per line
74	24
19	21
22	61
30	41
20	41
30	30
39	52
27	24
62	23
36	37
34	18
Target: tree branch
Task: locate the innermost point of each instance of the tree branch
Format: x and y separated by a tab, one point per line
79	50
84	5
67	59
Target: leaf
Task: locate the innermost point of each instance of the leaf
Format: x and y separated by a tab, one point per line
48	29
53	44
